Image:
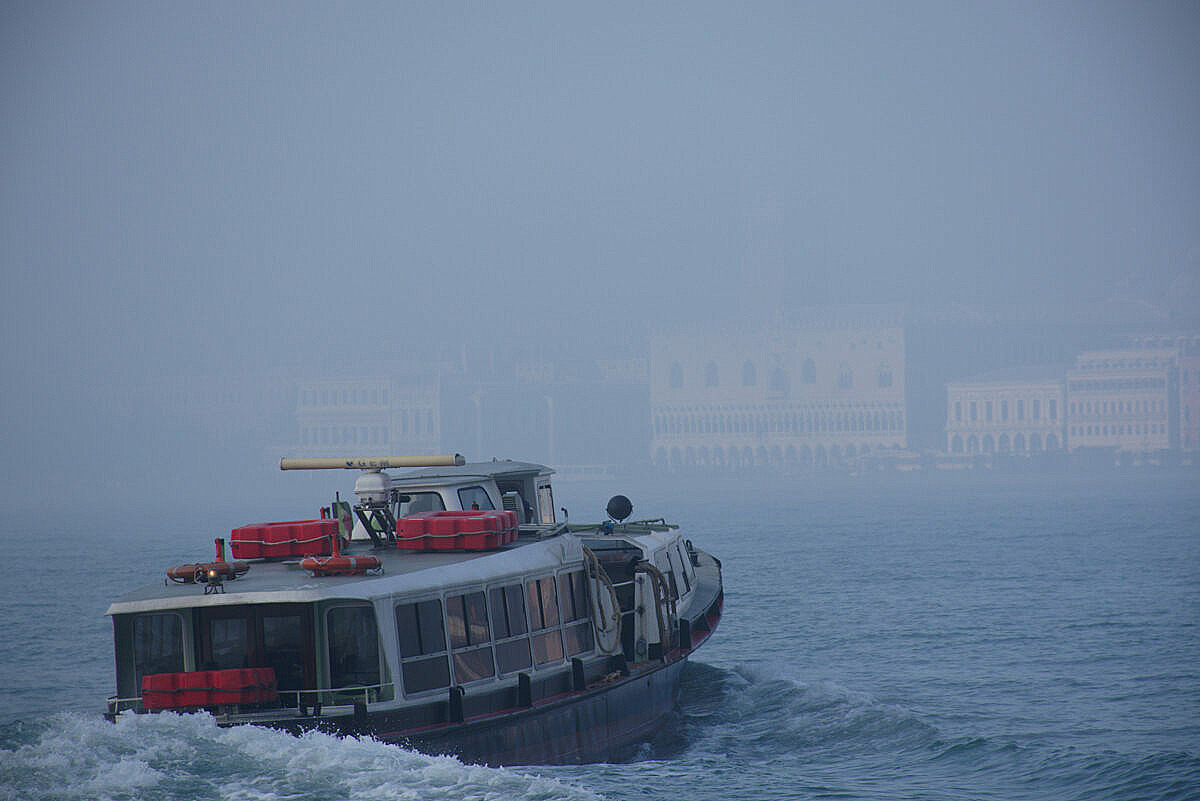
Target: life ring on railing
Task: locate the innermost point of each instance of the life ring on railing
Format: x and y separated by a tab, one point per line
339	565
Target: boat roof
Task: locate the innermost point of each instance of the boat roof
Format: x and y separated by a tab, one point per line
494	469
403	572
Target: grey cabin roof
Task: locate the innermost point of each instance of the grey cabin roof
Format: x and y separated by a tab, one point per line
496	469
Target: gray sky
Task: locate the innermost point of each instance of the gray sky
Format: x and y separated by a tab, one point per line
192	186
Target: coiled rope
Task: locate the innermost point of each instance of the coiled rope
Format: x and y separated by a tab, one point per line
602	625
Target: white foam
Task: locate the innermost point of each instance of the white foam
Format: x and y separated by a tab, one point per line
187	756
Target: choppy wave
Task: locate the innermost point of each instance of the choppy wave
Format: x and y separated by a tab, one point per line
757	714
170	756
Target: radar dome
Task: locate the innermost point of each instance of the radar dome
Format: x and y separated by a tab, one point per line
619	507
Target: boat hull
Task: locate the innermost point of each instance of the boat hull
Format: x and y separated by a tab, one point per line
604	723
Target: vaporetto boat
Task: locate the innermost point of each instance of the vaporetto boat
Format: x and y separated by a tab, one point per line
448	609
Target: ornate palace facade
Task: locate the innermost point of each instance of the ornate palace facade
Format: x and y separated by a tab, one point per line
823	389
1016	410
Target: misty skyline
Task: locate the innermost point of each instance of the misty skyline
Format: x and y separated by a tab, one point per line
189	189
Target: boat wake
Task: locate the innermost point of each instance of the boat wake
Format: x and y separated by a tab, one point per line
758	719
760	712
170	756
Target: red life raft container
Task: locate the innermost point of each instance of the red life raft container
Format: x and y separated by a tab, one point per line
208	688
470	530
282	540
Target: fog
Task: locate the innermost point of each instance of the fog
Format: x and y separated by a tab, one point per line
262	197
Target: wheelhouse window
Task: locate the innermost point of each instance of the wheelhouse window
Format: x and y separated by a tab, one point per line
545	503
508	620
470	638
679	567
543	614
663	563
418	502
423	661
353	646
157	645
475	498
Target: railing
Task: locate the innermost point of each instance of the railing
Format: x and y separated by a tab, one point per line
302	700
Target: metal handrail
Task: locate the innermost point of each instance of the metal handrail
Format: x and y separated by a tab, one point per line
316	697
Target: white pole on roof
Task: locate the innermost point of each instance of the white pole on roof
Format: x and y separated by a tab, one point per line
380	463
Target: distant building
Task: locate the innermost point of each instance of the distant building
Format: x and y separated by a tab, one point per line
952	343
1016	410
822	389
1185	349
1124	400
368	416
1189	396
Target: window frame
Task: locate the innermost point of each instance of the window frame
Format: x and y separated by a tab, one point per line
327	655
466	504
425	657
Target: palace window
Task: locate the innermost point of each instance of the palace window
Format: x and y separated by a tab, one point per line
676	378
711	378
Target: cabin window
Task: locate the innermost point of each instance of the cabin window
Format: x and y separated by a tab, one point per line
547	647
230	643
286	649
466	620
353	647
278	636
573	595
157	645
573	592
508	620
578	638
543	614
543	603
475	498
664	564
421	502
508	611
679	568
422	646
